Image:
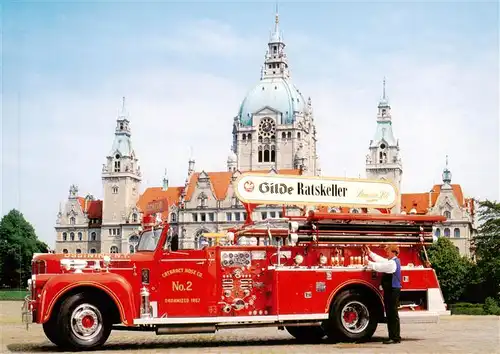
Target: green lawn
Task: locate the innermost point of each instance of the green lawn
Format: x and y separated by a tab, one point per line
12	295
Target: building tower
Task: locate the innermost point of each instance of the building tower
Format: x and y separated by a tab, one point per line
274	127
383	160
121	178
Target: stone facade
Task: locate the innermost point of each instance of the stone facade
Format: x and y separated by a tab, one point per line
460	224
74	231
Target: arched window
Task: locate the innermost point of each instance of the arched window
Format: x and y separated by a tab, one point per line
173	217
78	250
80	236
202	200
93	236
447	232
113	249
72	220
134	217
447	214
93	250
65	250
65	236
438	233
115	189
456	232
72	236
283	135
117	163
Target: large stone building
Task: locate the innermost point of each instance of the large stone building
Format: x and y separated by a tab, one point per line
273	131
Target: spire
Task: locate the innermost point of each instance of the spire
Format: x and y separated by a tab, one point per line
446	173
191	162
276	35
384	102
165	181
122	144
123	112
122	122
276	62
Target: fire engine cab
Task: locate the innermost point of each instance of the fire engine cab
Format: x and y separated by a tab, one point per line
303	273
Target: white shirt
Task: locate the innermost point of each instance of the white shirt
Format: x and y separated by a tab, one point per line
382	264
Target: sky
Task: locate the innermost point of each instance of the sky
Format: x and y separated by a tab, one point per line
185	68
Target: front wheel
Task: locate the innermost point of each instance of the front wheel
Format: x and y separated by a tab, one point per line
83	324
353	317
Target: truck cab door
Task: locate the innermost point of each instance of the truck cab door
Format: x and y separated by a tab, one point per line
187	284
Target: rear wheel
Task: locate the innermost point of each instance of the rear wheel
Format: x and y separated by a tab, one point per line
82	323
306	333
353	317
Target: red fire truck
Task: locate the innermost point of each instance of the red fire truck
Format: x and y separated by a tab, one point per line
303	273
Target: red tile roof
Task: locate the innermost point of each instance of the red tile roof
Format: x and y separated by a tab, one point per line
93	208
420	201
219	183
172	194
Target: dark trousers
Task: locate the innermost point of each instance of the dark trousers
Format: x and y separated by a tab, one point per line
391	303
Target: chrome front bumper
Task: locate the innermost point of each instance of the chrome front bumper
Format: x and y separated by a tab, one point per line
27	311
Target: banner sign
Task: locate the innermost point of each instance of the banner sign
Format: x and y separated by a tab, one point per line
300	190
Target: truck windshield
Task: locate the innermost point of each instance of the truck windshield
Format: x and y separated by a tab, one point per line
149	240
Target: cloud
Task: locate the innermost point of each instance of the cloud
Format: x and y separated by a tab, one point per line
440	106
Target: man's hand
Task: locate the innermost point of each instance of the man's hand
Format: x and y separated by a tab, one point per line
365	261
366	249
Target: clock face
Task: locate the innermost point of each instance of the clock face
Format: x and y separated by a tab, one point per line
267	125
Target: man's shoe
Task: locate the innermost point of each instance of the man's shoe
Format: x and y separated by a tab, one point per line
391	341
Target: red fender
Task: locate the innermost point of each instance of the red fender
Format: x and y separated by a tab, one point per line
346	284
116	286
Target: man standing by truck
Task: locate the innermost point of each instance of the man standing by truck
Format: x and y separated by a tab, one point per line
391	284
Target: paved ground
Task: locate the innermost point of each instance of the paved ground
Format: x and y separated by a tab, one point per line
456	334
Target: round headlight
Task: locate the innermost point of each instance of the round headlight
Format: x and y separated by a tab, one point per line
299	259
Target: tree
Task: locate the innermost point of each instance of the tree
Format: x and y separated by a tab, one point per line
487	247
451	269
18	242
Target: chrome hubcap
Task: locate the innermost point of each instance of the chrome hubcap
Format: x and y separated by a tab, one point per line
355	317
86	322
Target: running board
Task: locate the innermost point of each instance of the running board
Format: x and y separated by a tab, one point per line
231	319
